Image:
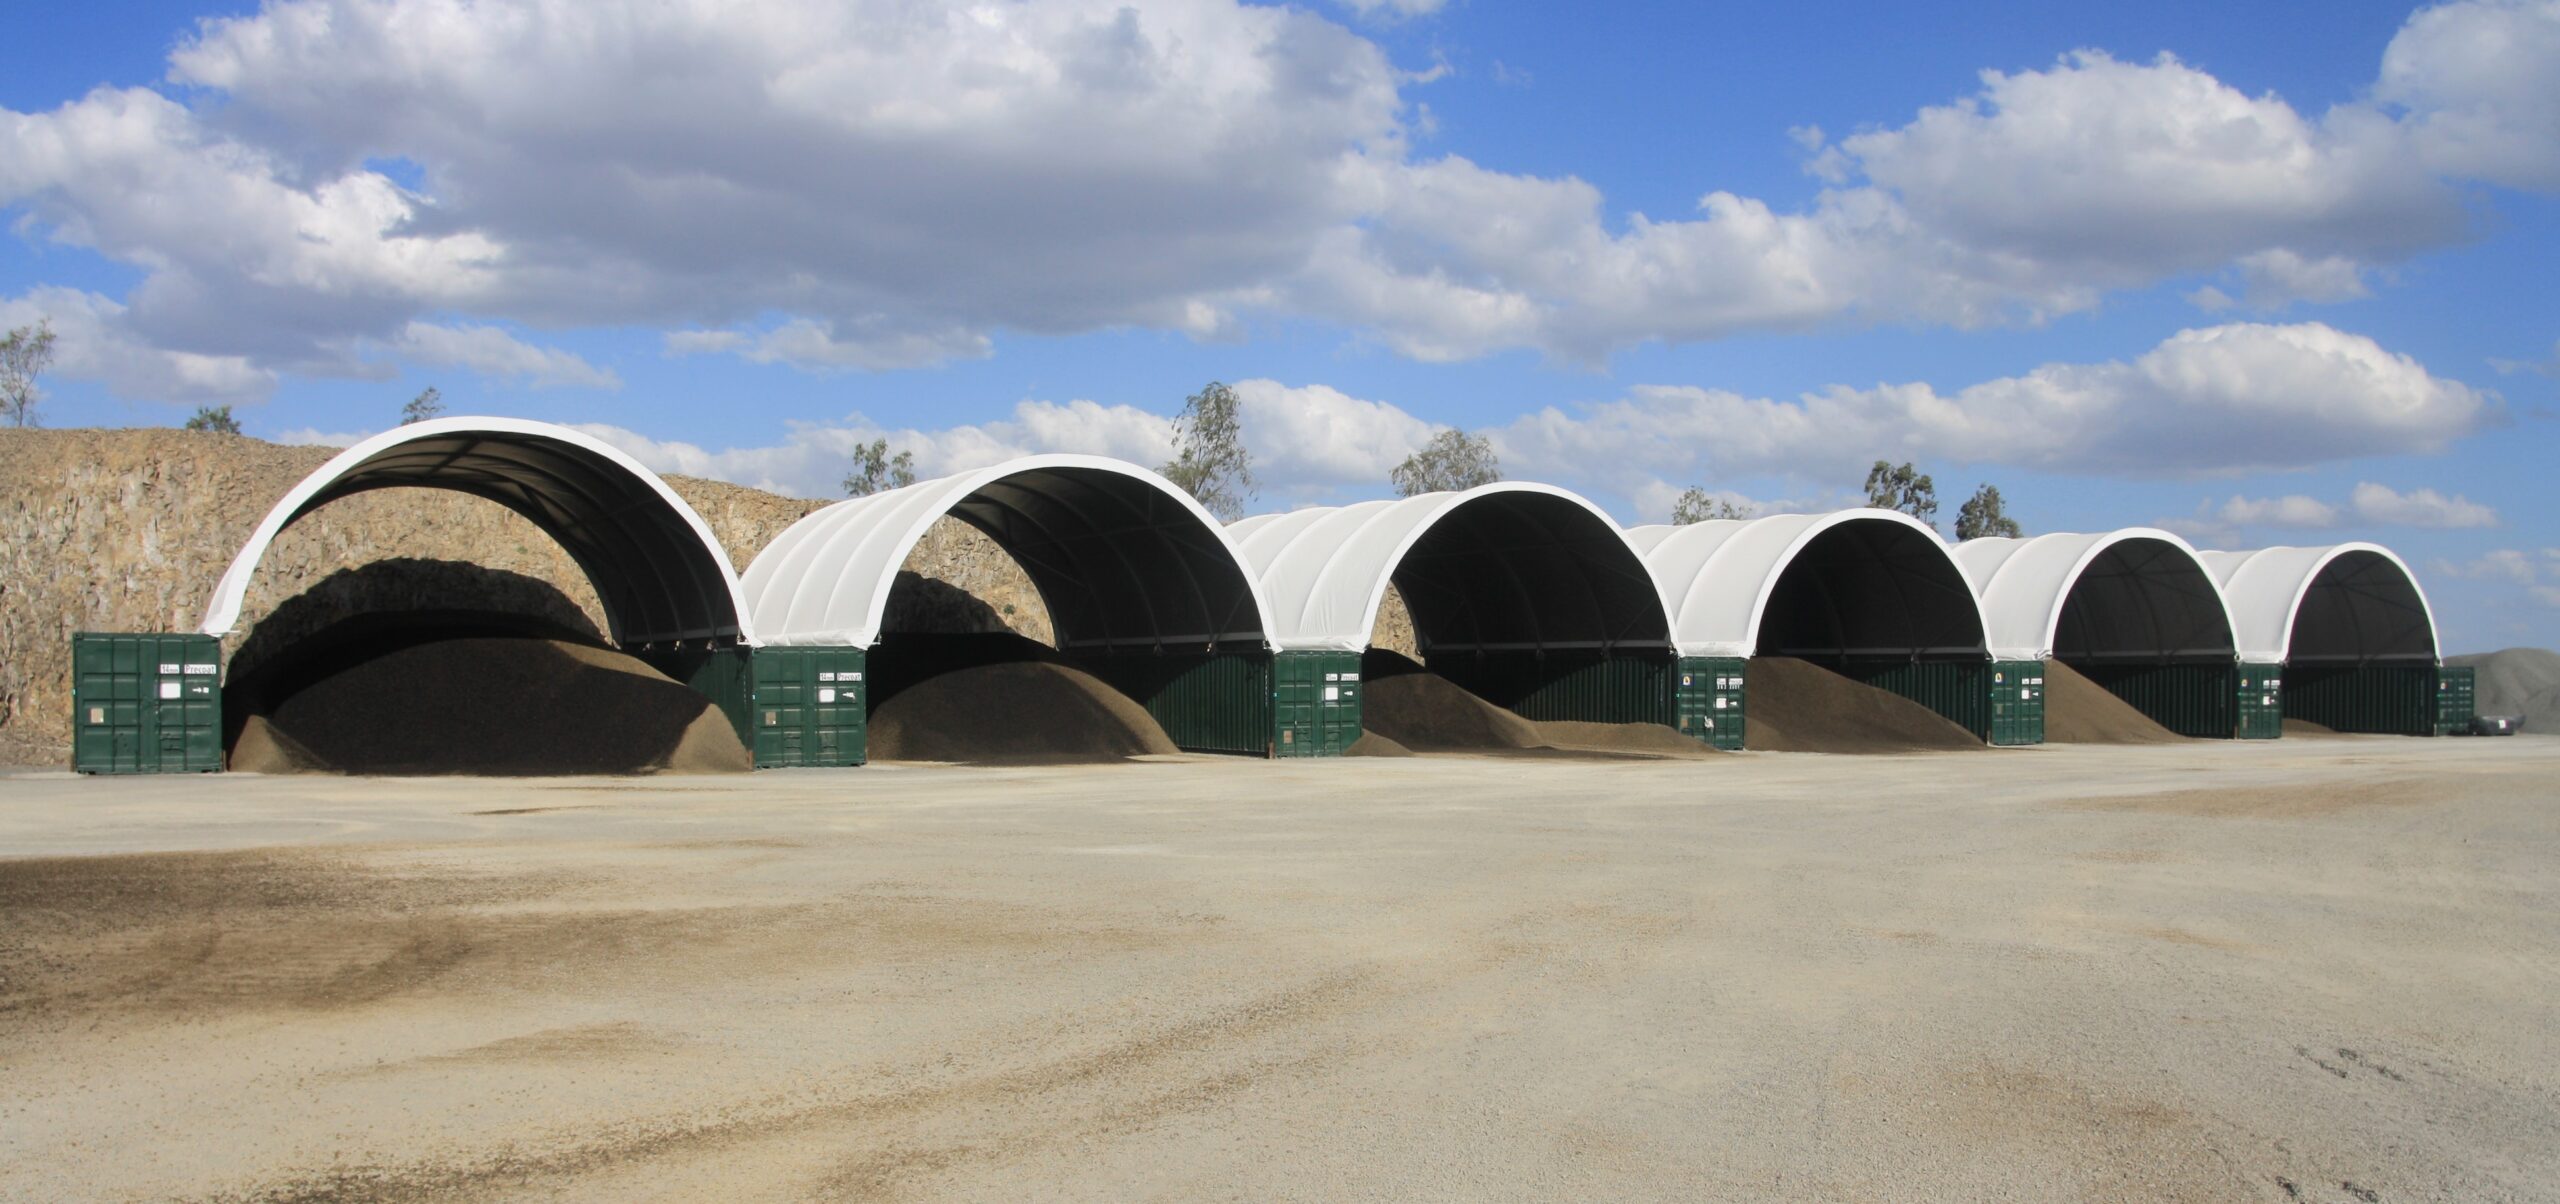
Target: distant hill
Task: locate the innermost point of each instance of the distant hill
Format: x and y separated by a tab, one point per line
2519	681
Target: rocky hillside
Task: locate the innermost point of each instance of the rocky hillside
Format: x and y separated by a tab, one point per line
128	530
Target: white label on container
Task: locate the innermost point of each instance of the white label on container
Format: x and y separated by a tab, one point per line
1721	702
824	675
1333	693
853	677
169	669
2026	695
168	689
97	715
826	694
199	669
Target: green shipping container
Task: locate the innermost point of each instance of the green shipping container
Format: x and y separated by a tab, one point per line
146	703
2017	702
2199	700
1706	700
2389	700
2457	699
1207	702
1959	691
810	707
1315	703
1578	684
2261	702
726	676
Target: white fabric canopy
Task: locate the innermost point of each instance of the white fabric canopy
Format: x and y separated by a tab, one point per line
656	567
1122	557
2345	603
1507	565
2138	593
1718	580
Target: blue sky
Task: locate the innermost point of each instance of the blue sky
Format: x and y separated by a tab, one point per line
2266	273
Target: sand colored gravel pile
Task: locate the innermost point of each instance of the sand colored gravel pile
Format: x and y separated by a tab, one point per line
1425	712
1015	713
1371	744
1793	705
2518	681
2304	729
261	747
491	705
2080	711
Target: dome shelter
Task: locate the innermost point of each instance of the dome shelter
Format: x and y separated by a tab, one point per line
1870	594
1142	587
668	593
2133	610
1526	595
2347	628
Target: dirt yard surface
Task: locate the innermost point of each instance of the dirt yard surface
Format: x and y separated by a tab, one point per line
2208	971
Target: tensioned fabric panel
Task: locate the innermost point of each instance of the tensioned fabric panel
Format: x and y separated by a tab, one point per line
1862	582
1122	557
2135	595
655	565
1507	565
2350	603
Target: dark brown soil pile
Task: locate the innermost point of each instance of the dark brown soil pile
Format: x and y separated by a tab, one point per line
1014	713
2080	711
1793	705
496	706
1425	712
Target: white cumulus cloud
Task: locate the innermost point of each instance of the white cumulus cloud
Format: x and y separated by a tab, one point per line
869	184
2228	398
493	352
2291	510
2418	508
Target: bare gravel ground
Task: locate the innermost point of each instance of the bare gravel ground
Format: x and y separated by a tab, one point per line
2322	971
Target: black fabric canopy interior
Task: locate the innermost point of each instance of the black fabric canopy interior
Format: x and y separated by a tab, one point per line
1118	562
658	580
1528	571
2143	601
1871	588
2362	610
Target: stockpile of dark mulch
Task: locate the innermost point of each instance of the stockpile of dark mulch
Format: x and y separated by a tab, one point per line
2080	711
1421	711
495	705
1793	705
1014	713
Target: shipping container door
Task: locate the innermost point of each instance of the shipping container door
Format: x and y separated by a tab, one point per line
2017	703
2261	702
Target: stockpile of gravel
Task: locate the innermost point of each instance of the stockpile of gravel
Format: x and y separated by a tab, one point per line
490	705
1793	705
1014	713
1425	712
2518	681
2080	711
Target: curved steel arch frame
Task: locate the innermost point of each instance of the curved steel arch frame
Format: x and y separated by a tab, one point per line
1142	585
1872	594
2350	627
662	576
2134	610
1526	594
